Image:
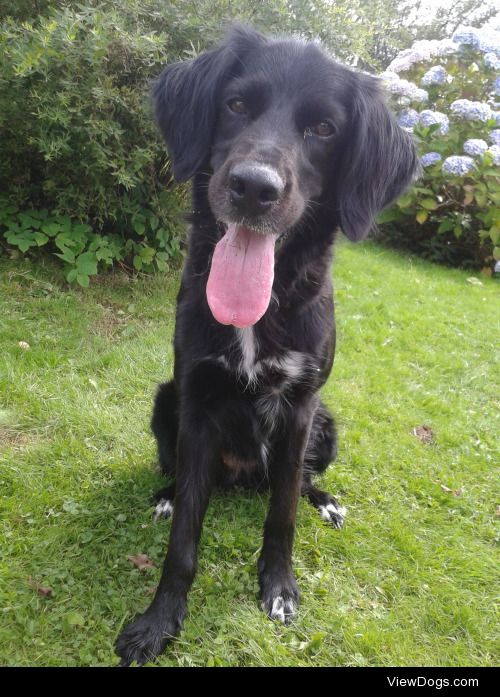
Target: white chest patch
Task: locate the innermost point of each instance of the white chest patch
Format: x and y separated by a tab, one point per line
292	365
249	347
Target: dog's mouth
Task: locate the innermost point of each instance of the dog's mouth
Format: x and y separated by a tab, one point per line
241	276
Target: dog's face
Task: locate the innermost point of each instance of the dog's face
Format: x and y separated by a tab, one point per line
281	127
285	134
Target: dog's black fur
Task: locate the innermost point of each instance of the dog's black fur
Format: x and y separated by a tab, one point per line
243	407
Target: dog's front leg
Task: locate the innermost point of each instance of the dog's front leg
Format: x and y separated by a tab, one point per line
278	590
146	637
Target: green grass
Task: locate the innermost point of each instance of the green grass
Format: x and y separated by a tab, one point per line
409	581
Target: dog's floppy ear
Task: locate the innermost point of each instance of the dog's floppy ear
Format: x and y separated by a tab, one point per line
378	163
186	97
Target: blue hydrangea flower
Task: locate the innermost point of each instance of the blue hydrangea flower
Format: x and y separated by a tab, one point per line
445	47
492	61
430	158
484	39
475	147
407	89
471	111
496	117
428	117
468	36
489	41
495	136
420	95
407	118
496	86
494	150
458	165
420	52
435	76
403	61
389	76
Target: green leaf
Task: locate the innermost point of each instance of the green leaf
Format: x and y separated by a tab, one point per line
481	198
82	229
71	620
434	127
384	217
405	201
153	222
421	217
494	233
25	244
67	256
86	264
445	226
147	254
317	640
429	204
40	238
28	222
51	229
82	280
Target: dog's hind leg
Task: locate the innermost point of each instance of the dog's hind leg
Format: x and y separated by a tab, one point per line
322	444
165	426
327	505
320	452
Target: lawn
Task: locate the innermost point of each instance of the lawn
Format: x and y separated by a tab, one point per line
411	578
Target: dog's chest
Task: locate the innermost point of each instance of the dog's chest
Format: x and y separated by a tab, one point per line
275	371
271	382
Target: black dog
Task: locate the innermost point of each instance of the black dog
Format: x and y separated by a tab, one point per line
285	147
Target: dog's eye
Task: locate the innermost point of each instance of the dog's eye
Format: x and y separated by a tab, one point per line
238	106
323	129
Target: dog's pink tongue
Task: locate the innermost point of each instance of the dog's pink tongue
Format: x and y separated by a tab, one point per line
241	277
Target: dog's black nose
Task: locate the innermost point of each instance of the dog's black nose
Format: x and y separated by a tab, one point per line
254	188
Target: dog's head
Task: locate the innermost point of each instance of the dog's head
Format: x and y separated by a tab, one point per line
281	128
280	124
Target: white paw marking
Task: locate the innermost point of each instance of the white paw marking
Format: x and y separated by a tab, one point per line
163	509
282	609
333	514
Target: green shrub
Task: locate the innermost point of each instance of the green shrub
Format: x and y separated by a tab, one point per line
78	140
452	214
82	250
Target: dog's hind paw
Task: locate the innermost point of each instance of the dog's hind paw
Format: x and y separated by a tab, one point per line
333	513
163	509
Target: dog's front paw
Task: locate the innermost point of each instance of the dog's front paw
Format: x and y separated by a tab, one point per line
144	639
279	596
280	606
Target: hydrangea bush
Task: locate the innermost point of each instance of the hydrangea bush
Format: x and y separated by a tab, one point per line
447	93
